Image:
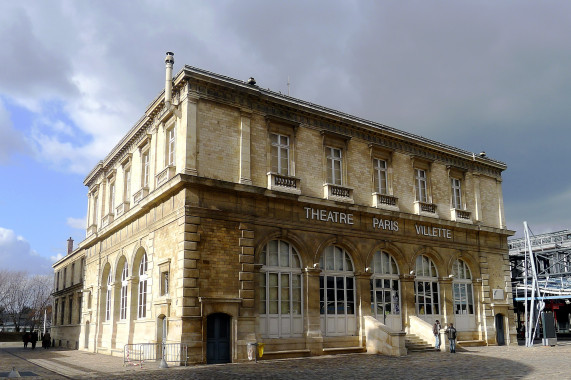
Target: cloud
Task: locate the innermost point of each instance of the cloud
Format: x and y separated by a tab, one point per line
16	254
57	257
77	223
11	140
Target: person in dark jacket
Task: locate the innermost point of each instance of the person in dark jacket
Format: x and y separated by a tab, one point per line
34	339
451	332
25	338
46	340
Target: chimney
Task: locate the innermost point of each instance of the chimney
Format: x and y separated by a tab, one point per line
169	61
69	245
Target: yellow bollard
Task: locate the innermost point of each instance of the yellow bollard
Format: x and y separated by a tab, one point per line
261	349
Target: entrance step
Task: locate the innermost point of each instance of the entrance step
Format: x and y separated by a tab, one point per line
343	350
413	343
471	343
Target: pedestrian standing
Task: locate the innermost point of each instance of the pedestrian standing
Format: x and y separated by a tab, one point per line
25	339
436	331
46	340
451	332
34	339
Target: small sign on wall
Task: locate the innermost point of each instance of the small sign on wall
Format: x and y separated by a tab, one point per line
498	294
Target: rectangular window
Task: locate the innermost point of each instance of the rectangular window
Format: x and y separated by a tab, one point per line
171	141
420	184
127	186
334	166
380	173
70	310
145	170
123	308
57	281
72	272
62	311
64	276
55	312
280	153
164	283
456	193
80	306
112	198
95	206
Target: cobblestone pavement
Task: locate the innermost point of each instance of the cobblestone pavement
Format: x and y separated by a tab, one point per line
514	362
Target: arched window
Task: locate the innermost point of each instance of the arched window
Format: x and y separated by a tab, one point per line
337	292
280	305
462	287
385	293
426	287
108	298
142	299
124	275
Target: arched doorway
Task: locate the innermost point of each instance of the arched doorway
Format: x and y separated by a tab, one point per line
218	338
500	330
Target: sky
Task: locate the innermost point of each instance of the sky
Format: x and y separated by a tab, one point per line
491	76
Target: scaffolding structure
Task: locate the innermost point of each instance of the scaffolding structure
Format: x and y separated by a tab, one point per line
541	271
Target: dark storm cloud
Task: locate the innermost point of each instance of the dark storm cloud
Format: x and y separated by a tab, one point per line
483	75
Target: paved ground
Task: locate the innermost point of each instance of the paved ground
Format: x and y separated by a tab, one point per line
474	363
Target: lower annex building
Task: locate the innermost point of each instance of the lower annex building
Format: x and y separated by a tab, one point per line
230	214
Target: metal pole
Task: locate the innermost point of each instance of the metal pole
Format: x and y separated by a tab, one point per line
526	316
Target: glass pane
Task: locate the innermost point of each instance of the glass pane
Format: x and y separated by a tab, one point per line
273	279
394	268
273	253
329	259
350	308
338	259
274	138
418	268
296	281
284	254
273	307
348	264
295	260
433	272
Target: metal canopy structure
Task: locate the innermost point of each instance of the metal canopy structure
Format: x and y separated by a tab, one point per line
541	270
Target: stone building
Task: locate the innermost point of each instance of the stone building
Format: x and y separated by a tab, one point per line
230	214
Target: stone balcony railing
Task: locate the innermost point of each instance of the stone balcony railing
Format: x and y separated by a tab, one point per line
122	208
462	216
107	220
285	183
166	174
425	209
385	202
338	193
139	195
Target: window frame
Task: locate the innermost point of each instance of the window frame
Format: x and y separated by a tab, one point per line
124	292
290	321
393	276
170	145
427	278
142	288
280	148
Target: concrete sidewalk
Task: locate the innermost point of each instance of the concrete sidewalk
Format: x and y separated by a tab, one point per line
513	362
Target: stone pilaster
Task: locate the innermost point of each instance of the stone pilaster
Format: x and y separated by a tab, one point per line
245	176
314	339
446	301
407	294
246	275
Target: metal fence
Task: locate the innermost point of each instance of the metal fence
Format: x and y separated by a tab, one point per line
138	353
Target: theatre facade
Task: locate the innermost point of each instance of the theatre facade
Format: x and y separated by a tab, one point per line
230	214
